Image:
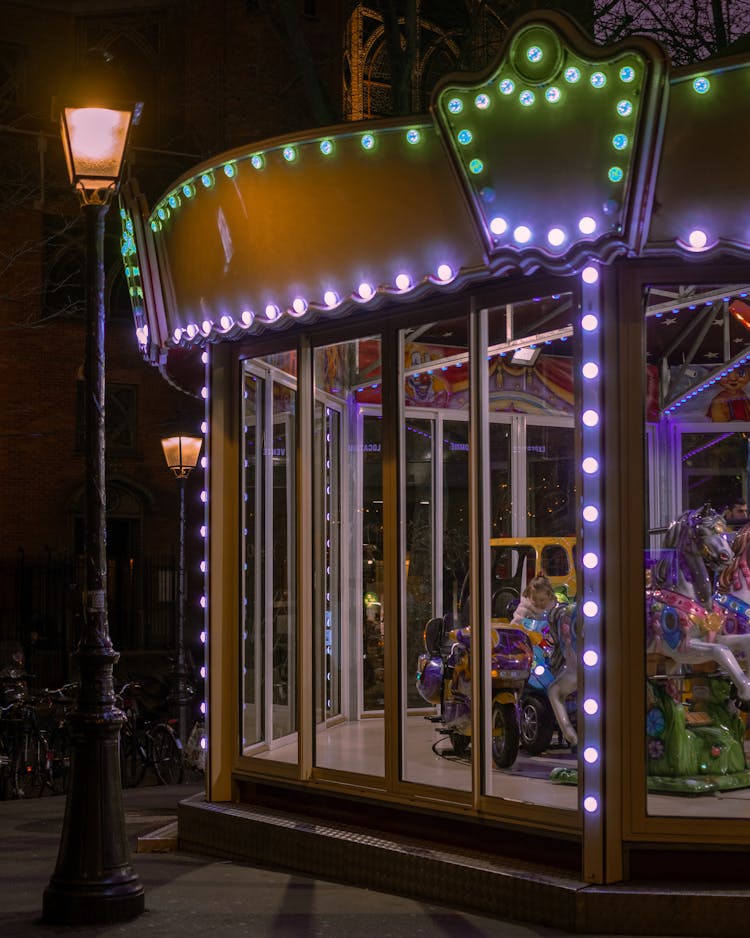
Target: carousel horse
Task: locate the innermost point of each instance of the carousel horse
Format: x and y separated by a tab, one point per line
732	592
685	621
563	631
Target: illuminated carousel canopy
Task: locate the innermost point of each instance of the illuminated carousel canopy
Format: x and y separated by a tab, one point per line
560	153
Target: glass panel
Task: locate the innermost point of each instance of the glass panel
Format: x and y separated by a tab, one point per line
373	634
436	710
327	634
531	548
348	573
269	704
283	540
253	697
697	631
455	539
550	481
501	491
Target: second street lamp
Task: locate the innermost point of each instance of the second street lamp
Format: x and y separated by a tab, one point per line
181	452
93	880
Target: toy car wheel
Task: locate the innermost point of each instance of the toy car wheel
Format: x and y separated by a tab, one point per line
460	743
505	735
537	724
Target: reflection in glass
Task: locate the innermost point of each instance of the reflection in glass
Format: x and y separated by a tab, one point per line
550	482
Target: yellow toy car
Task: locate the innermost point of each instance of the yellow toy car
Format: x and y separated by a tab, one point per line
516	560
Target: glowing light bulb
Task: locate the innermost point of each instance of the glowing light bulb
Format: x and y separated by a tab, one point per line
556	237
590	418
590	658
587	225
590	560
403	282
590	755
590	370
589	323
522	234
590	706
247	317
365	290
590	465
590	513
445	272
498	225
589	274
330	298
590	608
590	804
697	239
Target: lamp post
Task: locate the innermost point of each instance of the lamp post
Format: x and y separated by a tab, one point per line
181	452
93	880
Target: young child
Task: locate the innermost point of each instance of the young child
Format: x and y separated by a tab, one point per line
537	600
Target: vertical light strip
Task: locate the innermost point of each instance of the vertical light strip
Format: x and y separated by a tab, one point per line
205	358
589	606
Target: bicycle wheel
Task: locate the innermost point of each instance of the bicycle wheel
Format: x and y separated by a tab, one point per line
166	753
131	764
60	751
27	766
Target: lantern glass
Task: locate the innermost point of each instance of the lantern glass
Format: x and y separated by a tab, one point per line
94	140
181	453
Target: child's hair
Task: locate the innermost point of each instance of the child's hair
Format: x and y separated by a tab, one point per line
539	588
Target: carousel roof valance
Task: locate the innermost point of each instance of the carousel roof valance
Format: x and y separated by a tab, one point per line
561	152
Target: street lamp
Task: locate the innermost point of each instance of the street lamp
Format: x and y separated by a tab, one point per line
181	452
93	880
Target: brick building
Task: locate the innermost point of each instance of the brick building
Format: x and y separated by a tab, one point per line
209	76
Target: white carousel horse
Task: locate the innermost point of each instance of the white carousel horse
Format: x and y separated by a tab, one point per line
685	621
563	629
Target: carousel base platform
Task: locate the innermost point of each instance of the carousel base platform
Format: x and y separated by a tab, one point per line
478	882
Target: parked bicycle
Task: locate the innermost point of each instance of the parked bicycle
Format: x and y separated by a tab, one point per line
22	742
53	707
145	744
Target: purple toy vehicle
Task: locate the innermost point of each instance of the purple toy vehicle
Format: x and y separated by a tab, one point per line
444	679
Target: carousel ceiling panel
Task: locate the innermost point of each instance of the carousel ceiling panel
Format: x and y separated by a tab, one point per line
555	145
702	180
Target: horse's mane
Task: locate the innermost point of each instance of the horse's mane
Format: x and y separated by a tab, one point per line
681	538
557	656
729	578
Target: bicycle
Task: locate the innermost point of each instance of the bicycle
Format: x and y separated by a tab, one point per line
54	706
146	745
